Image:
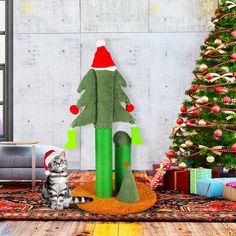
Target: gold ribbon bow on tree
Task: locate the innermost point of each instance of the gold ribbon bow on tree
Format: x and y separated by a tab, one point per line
182	146
227	76
212	24
230	4
213	149
231	114
211	49
177	127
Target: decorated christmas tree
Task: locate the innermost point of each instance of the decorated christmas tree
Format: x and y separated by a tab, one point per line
205	131
100	104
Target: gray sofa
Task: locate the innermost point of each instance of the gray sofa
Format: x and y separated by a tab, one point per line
16	162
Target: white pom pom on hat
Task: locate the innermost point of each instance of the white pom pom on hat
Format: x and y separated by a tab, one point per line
100	43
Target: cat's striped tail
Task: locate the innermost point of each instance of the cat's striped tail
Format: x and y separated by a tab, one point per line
81	199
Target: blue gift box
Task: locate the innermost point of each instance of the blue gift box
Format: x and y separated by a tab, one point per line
212	187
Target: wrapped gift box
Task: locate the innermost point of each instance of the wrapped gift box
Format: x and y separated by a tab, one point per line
229	191
217	171
198	174
212	187
227	175
177	180
156	166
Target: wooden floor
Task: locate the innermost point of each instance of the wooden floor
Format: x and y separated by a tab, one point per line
61	228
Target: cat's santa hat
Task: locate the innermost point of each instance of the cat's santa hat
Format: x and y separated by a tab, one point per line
48	157
102	58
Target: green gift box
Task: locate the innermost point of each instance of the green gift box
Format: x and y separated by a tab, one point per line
198	174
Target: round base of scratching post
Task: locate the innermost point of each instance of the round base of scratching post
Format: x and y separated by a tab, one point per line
112	205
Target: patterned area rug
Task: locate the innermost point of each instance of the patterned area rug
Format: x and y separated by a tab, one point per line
20	203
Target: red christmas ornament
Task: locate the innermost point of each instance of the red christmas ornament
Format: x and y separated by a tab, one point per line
218	14
219	90
234	74
126	164
129	107
192	121
233	33
215	109
234	147
74	109
209	76
170	154
226	99
233	56
196	112
193	89
218	133
183	109
179	121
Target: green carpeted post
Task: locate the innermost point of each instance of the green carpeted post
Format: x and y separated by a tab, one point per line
103	163
122	154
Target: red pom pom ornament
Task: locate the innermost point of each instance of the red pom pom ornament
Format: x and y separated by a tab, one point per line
209	76
193	89
218	14
234	147
233	33
219	90
215	109
179	121
183	109
126	164
129	107
191	121
196	112
170	154
74	109
218	133
226	99
233	56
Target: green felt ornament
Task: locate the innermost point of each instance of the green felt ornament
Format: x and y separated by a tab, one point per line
71	143
128	190
122	155
136	139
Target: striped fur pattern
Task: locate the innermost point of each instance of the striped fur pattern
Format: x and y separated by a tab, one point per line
56	191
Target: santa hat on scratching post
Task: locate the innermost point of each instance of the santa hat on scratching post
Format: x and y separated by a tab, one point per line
102	58
48	157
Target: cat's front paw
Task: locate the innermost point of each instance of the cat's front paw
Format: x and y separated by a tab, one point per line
54	206
66	205
60	207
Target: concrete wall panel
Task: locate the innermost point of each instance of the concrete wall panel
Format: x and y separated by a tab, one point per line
114	16
46	74
50	16
180	15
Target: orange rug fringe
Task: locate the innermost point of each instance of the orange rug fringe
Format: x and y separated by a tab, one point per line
112	205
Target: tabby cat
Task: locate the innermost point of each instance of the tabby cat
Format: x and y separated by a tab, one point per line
56	191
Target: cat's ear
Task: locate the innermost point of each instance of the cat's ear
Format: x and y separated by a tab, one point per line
63	154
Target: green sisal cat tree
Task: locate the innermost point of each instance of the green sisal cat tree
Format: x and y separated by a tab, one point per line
100	104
